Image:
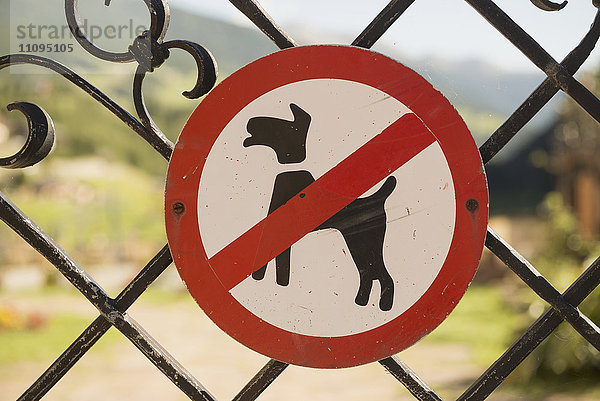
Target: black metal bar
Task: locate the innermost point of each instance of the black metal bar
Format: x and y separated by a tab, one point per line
518	351
582	95
536	53
522	268
540	97
144	278
48	248
159	356
261	381
513	32
264	22
66	360
161	144
524	113
384	20
98	328
409	379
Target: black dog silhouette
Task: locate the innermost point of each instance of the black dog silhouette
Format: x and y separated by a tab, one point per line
362	223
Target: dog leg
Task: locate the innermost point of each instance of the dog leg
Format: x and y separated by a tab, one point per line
363	224
386	298
364	289
287	185
282	267
260	273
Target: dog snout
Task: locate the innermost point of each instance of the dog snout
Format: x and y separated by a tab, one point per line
249	141
255	128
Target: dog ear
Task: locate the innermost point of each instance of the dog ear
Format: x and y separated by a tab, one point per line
301	118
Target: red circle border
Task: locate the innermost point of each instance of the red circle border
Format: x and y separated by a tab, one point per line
333	62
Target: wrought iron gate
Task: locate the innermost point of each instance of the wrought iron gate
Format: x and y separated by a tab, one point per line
150	51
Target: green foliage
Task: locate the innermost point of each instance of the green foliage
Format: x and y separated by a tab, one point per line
99	212
483	321
566	253
564	354
45	342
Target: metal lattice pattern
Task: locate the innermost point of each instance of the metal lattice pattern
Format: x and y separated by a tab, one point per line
149	51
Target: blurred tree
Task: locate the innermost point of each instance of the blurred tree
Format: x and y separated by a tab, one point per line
576	164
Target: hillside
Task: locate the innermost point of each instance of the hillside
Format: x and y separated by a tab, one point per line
484	97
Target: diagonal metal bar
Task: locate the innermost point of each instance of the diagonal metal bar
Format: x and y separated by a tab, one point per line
384	20
524	113
48	248
582	95
409	379
538	55
522	268
261	381
537	332
98	328
161	143
540	97
256	14
160	357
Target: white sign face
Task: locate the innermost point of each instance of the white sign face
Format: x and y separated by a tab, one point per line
236	189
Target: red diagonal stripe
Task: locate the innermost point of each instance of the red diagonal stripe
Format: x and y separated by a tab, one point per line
351	178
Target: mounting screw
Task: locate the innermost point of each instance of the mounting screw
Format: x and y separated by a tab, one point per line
178	208
472	205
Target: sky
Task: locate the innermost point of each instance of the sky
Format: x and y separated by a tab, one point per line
438	29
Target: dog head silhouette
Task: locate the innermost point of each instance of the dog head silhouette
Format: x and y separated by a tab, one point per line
287	138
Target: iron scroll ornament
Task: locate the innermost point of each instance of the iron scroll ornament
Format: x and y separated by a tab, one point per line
548	5
40	139
150	52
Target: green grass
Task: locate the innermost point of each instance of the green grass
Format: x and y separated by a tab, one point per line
483	321
47	342
114	213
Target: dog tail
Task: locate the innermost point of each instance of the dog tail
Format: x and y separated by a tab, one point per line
386	189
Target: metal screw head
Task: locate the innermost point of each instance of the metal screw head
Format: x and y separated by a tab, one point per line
472	205
178	208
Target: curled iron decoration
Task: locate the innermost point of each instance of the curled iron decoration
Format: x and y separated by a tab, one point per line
205	81
159	23
40	136
548	5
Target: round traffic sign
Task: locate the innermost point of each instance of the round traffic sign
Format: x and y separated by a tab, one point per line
326	206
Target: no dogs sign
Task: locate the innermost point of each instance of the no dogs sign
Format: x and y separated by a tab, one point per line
326	206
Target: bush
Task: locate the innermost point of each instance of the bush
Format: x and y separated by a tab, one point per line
565	354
